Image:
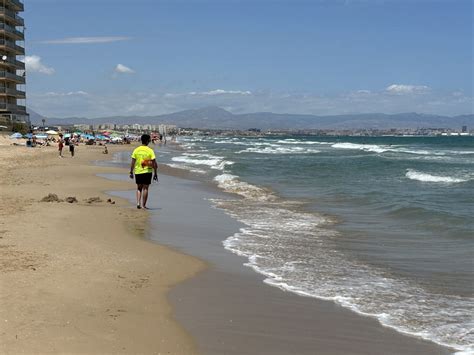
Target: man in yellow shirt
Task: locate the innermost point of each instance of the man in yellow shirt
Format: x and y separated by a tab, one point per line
142	165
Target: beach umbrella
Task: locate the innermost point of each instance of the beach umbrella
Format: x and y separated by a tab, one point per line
41	136
67	135
51	132
16	136
5	127
28	135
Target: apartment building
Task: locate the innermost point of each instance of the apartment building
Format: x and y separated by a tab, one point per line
12	64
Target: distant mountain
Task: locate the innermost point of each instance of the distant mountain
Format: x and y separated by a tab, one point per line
35	117
218	118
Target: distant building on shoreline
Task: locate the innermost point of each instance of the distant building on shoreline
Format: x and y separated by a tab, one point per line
12	65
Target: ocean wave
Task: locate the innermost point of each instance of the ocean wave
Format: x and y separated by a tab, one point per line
230	142
424	177
365	147
301	142
231	183
215	162
279	150
186	167
400	149
291	249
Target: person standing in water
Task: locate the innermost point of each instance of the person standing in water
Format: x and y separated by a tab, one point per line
144	167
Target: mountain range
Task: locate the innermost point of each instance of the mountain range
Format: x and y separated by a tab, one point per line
218	118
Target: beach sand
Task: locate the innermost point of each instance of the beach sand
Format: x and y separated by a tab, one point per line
81	277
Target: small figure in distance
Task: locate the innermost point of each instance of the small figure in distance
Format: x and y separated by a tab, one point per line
106	151
142	165
72	146
60	145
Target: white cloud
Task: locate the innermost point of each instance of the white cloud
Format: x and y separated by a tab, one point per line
406	89
86	40
221	92
102	104
122	69
33	64
70	93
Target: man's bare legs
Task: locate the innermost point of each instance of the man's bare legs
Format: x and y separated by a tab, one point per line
142	195
139	195
145	195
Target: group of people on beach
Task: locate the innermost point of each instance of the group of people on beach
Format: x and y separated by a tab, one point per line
70	142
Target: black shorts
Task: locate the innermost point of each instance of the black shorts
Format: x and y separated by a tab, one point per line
143	179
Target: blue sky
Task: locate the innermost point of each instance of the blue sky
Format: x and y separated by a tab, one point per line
104	57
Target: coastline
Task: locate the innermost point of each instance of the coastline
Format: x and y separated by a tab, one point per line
228	307
81	277
72	301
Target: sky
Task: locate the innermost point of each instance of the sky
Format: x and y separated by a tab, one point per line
96	58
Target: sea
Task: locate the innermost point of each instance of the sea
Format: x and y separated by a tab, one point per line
380	225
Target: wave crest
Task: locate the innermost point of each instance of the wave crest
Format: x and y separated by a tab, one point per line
424	177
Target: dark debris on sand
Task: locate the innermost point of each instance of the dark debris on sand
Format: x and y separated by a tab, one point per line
93	200
51	198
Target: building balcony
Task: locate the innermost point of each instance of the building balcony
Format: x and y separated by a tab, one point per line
11	32
5	75
12	108
12	92
16	4
11	46
12	62
11	16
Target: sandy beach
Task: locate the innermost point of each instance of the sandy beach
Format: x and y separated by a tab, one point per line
81	277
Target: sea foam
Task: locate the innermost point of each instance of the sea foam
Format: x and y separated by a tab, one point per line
424	177
365	147
215	162
231	183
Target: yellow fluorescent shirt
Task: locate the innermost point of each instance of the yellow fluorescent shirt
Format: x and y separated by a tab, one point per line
143	159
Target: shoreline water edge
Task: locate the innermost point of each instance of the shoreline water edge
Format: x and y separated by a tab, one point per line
194	172
296	247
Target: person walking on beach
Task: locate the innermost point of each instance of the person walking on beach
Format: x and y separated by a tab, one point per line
142	165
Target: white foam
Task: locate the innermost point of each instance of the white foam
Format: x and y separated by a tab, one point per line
398	149
365	147
232	184
301	142
217	163
291	249
424	177
186	167
279	150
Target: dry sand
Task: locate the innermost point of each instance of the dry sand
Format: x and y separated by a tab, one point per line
81	277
